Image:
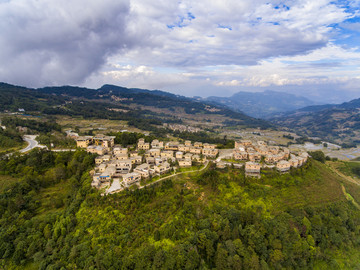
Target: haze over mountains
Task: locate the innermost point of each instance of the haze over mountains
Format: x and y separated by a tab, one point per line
262	104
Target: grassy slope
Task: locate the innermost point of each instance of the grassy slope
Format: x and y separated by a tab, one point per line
136	220
6	181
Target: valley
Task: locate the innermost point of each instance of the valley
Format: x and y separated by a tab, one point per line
179	135
127	183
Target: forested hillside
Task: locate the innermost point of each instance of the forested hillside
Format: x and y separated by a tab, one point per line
338	123
9	139
52	219
114	102
14	97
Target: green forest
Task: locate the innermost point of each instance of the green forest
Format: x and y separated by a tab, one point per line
217	219
10	138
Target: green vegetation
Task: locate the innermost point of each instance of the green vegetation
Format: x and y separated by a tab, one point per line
52	219
117	103
42	126
49	130
56	140
335	123
318	155
10	138
349	168
14	97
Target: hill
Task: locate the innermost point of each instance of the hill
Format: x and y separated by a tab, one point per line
51	218
138	106
13	98
338	123
262	104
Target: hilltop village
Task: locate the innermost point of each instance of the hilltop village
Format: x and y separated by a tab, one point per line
118	167
259	155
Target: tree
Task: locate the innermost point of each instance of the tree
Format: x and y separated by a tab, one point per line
318	155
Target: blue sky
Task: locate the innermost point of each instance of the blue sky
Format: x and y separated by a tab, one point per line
213	47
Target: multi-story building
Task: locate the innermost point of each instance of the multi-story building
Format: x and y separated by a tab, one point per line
243	143
153	152
210	152
122	166
142	145
100	150
240	155
162	168
198	144
136	160
195	150
131	178
179	155
83	141
252	167
103	140
167	154
171	146
120	151
283	166
254	156
121	156
188	156
209	146
183	148
143	170
185	162
157	144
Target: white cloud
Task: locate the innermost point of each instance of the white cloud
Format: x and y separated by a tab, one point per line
189	46
138	76
229	32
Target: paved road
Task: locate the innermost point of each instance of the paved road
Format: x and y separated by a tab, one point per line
32	143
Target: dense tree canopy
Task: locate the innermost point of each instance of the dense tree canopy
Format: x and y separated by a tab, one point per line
52	219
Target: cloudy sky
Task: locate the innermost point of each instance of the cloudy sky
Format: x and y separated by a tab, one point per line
213	47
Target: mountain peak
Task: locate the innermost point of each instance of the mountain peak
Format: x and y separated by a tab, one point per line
263	104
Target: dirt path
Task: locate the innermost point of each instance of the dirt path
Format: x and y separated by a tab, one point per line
349	197
173	175
346	177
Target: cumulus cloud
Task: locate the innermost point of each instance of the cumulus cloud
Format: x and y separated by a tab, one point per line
59	42
185	46
139	76
229	32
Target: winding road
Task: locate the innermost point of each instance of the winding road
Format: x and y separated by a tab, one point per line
32	143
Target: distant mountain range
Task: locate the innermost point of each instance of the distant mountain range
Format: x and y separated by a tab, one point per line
339	123
262	104
115	102
148	110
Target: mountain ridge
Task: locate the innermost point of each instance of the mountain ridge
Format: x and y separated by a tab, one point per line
336	122
140	103
262	104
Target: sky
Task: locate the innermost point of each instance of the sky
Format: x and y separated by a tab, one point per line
192	48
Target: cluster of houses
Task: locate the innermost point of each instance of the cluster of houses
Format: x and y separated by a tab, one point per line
99	144
181	128
117	167
270	156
